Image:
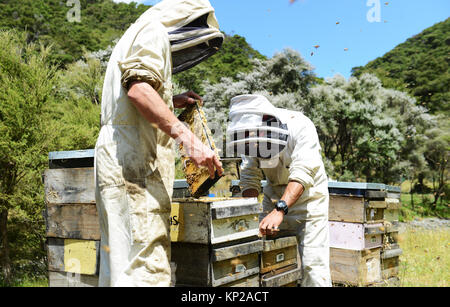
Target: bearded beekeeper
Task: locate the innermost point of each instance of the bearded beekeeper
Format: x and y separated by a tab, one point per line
135	157
283	146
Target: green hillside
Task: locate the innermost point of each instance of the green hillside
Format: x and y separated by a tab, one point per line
101	23
46	21
419	66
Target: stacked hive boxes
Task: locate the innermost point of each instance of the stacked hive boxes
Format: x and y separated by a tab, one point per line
73	235
279	259
363	220
363	233
214	240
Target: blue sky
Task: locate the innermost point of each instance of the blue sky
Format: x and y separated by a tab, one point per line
349	32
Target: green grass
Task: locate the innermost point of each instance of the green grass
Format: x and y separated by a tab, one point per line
425	261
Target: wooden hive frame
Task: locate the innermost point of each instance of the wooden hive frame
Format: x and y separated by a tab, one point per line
198	178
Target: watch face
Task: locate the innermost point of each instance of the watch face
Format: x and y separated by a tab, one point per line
282	206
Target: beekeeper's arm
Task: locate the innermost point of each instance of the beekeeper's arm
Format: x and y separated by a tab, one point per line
251	176
142	76
306	157
306	161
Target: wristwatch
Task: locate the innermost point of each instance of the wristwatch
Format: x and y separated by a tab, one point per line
282	206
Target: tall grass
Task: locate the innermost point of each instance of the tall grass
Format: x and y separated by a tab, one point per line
425	261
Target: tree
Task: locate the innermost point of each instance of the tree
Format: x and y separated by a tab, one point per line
437	154
41	110
83	79
26	89
369	132
285	79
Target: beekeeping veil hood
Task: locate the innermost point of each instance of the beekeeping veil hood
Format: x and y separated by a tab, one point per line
192	27
255	128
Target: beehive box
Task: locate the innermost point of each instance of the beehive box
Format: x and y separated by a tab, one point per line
357	202
356	268
355	236
227	265
215	220
363	223
279	253
280	262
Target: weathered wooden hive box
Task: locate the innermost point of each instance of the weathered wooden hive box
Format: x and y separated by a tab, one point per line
215	241
280	262
353	267
72	228
230	265
363	227
208	228
214	220
356	236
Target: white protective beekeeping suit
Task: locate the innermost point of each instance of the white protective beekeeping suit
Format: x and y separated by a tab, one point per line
294	155
135	161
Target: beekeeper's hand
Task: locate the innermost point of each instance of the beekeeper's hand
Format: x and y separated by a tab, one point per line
269	225
183	100
202	155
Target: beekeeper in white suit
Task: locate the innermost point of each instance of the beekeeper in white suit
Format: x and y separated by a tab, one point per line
283	145
135	157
